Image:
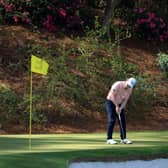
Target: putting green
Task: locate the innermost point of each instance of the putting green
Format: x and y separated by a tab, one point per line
57	150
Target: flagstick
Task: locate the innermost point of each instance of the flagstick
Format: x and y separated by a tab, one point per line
30	119
40	66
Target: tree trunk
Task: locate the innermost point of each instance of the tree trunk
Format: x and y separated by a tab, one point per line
164	6
110	6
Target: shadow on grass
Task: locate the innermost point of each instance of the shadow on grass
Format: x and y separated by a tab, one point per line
62	159
57	151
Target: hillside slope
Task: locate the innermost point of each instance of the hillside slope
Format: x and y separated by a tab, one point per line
145	56
135	51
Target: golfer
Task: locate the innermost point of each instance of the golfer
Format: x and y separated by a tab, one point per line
115	106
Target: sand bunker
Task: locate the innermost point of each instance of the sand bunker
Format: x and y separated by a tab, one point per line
157	163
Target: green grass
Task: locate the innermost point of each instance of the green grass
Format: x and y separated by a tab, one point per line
57	150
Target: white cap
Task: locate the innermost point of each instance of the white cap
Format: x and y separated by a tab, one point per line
131	82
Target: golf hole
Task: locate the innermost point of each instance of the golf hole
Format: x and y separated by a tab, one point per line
156	163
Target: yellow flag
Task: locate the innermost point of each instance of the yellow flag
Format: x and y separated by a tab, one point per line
39	65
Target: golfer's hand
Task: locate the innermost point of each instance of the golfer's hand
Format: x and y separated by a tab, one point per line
118	110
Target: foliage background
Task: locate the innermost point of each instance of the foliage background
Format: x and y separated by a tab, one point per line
80	74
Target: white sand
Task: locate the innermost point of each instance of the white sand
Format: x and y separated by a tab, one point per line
157	163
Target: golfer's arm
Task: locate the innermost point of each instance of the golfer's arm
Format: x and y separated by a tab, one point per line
114	98
114	94
115	103
124	103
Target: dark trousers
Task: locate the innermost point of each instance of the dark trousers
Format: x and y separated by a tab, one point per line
112	115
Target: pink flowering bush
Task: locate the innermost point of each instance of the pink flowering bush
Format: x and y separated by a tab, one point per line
14	12
149	25
51	14
144	24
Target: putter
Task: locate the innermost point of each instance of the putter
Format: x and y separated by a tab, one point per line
122	132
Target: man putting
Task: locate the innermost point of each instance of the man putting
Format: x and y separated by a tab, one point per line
116	101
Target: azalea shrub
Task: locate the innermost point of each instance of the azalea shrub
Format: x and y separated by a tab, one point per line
144	24
149	25
51	14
